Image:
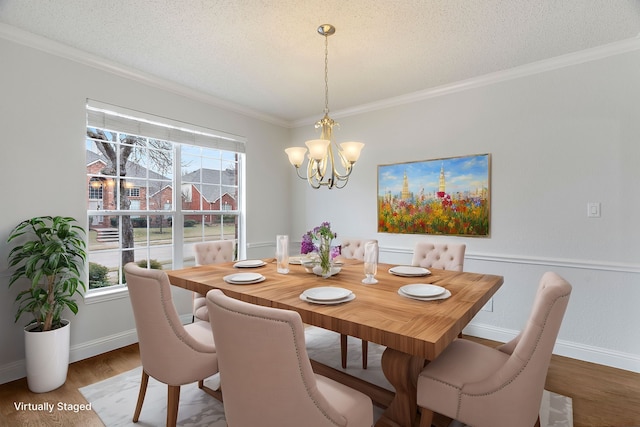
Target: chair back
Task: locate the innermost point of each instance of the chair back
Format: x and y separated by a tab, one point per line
163	339
446	256
265	372
214	252
516	388
354	248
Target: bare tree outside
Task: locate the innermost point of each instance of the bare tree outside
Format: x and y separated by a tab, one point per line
133	150
136	190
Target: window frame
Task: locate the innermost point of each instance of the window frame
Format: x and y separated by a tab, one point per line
203	138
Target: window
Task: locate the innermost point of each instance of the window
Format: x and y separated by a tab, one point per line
155	188
95	189
133	192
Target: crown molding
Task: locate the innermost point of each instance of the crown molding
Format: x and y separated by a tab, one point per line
34	41
49	46
542	66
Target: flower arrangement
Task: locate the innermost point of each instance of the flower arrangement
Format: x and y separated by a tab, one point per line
323	236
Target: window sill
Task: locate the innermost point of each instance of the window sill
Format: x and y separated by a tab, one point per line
106	294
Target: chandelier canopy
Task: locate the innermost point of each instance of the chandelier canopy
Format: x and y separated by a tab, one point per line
321	166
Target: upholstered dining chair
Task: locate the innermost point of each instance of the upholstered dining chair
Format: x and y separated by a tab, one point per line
170	352
501	387
353	249
445	256
266	374
213	252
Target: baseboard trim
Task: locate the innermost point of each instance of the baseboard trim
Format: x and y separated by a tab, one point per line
600	356
16	370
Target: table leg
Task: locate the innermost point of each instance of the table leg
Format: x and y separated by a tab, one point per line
402	370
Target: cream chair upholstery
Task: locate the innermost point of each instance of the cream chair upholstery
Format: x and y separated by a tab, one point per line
353	249
214	252
266	374
170	352
502	387
445	256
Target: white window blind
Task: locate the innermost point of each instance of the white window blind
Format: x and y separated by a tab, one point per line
112	117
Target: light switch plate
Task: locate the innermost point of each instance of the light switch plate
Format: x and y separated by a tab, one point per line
593	209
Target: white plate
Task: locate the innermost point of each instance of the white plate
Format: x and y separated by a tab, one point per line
409	271
296	260
351	297
445	295
249	263
244	278
422	290
326	293
262	279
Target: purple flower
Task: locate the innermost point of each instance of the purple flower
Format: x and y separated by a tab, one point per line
335	251
319	233
307	244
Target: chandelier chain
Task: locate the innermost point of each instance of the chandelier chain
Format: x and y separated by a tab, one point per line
326	74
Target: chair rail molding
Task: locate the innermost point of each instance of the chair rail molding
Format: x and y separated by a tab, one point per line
532	260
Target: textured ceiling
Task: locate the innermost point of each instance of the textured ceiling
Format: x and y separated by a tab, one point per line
267	56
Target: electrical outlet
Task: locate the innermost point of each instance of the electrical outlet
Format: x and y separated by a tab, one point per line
488	306
593	210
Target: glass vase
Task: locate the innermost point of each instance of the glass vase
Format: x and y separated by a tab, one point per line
324	251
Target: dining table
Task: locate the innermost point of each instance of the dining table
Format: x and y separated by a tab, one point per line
413	330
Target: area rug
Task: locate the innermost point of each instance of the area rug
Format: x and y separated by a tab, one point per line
114	399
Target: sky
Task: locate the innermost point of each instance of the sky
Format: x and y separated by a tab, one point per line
461	174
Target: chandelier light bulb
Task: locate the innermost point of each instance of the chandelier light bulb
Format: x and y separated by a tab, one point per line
296	155
318	148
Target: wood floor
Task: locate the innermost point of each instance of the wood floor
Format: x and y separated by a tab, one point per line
602	396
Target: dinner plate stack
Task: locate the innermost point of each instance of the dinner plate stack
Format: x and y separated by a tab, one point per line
424	292
409	271
249	263
327	295
244	278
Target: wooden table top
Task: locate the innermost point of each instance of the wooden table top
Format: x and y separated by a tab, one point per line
377	314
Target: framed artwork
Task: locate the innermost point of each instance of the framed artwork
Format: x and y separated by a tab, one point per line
449	196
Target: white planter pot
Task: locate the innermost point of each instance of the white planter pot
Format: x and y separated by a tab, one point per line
47	356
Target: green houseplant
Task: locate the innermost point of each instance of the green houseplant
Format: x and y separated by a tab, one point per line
51	259
51	256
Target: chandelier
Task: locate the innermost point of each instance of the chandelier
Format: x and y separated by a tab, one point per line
321	166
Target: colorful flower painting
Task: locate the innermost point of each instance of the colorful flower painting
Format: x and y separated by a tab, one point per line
447	196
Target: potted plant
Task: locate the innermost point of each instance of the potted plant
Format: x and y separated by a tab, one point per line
51	257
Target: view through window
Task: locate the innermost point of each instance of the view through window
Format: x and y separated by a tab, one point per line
151	195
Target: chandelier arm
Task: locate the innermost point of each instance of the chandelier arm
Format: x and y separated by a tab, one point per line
344	181
298	173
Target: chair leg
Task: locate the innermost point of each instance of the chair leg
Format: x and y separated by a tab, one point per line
365	353
426	417
343	350
143	390
173	399
211	392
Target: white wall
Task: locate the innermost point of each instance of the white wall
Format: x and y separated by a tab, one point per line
42	172
558	139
